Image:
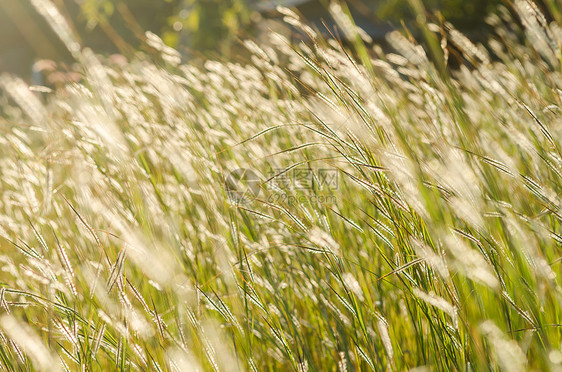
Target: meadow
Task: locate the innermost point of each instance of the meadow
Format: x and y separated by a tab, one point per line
318	208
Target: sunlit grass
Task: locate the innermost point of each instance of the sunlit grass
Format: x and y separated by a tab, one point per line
438	246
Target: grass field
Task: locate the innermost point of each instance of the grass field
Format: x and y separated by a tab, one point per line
312	210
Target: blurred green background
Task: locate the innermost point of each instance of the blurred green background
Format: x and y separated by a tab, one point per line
195	27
